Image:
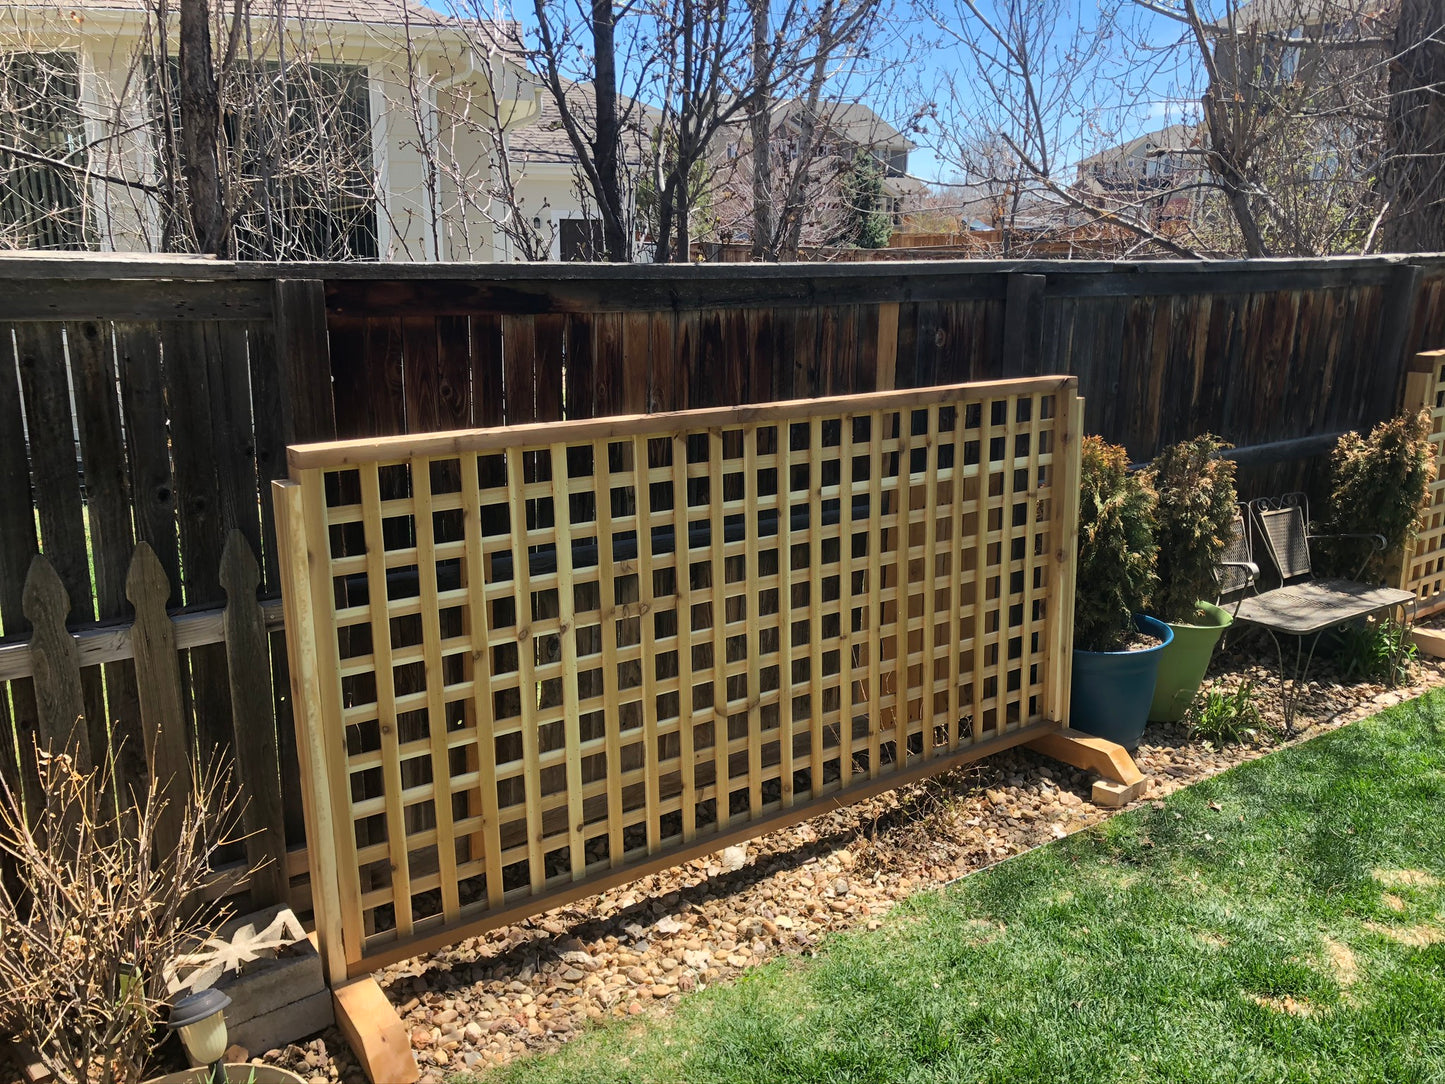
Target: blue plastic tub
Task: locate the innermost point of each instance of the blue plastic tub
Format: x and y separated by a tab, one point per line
1112	690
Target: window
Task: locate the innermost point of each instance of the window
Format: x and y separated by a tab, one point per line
301	141
42	134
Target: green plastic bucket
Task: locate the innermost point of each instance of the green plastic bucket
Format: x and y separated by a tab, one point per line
1182	664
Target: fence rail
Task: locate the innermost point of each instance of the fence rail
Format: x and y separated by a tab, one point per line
545	656
151	400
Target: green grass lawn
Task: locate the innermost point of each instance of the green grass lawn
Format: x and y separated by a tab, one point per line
1283	921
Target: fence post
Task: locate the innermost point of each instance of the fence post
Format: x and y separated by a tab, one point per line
301	622
1023	324
307	410
1068	437
158	687
1396	320
258	766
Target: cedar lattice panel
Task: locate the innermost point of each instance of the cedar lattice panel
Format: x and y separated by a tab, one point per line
1423	570
527	688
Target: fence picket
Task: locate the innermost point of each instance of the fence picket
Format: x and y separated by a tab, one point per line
56	664
158	687
258	765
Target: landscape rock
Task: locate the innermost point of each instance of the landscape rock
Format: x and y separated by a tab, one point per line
616	954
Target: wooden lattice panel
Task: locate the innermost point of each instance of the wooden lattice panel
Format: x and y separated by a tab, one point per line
1423	570
522	685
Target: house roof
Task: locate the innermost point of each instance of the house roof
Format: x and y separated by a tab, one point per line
545	140
1176	137
853	121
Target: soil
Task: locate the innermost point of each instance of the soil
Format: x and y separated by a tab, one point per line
1141	641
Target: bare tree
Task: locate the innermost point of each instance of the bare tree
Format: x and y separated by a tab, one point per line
1414	180
1032	84
1313	119
201	118
785	186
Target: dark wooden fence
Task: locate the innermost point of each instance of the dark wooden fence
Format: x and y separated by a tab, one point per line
151	401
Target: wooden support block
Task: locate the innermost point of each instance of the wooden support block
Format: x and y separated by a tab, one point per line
1122	780
1113	795
1430	642
375	1032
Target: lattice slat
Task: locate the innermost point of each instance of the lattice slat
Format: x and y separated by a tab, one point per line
563	654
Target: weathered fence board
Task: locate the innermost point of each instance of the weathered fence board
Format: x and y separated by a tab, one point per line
170	389
600	643
158	677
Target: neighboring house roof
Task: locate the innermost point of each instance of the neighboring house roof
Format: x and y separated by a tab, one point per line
853	121
545	140
1176	137
905	188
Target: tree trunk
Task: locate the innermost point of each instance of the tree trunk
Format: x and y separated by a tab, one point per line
1228	174
608	135
760	123
201	129
1415	173
666	201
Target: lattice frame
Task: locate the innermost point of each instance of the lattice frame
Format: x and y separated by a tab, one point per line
532	712
1423	568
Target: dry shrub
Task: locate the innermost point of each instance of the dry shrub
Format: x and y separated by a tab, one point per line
93	901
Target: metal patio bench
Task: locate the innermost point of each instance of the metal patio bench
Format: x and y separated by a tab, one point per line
1304	607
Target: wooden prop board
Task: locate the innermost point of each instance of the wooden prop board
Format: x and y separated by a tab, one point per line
534	661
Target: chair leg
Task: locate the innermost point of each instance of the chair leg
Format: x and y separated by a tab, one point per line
1289	683
1406	623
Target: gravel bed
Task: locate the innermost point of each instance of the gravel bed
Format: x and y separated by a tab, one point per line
634	949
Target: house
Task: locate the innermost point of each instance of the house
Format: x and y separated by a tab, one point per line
551	187
844	131
354	129
1150	174
1267	46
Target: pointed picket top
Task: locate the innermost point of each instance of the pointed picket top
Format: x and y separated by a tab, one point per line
240	575
56	663
146	578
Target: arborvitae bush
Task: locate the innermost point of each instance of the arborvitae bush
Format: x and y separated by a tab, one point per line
1197	508
1379	485
1116	547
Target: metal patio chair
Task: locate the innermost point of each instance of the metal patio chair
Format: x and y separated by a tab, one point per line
1304	607
1237	573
